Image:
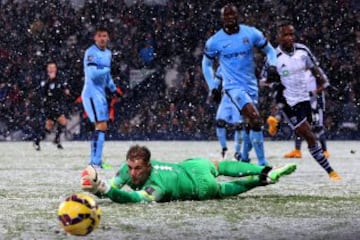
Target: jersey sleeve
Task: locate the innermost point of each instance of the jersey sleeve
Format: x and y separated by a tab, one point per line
147	194
90	58
121	178
110	83
92	69
258	38
310	61
264	45
210	50
210	53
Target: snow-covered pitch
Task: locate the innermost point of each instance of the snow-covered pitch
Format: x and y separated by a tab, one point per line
304	205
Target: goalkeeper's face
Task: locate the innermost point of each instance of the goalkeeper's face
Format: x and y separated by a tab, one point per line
139	171
101	39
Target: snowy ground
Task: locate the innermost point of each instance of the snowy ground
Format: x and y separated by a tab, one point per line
305	205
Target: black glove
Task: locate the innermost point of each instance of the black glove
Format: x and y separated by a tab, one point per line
216	95
272	75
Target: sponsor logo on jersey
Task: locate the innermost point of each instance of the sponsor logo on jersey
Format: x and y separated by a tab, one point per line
149	190
226	45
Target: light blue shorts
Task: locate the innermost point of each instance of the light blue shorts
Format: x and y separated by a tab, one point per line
240	98
228	112
96	108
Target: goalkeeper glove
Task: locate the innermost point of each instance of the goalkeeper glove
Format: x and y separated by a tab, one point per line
272	75
216	95
90	181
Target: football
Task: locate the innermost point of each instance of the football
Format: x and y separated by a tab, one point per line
79	214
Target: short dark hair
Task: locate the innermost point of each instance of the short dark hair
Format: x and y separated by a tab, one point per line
282	25
284	22
102	29
138	152
228	6
51	62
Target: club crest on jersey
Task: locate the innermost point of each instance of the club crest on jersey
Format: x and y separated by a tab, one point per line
246	40
90	58
293	120
285	73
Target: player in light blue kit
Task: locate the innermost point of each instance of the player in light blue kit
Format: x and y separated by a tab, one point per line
228	116
233	47
97	67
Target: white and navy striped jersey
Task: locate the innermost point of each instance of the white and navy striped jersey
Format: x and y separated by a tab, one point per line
292	69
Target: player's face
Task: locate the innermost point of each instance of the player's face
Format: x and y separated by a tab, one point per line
287	38
51	70
101	39
139	171
229	17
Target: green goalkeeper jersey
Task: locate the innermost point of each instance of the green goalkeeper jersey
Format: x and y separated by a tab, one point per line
191	179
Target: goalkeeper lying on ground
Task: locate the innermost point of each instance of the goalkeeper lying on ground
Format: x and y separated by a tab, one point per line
191	179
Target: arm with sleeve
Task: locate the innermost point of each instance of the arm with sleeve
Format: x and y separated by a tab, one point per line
147	194
110	83
265	46
207	65
92	69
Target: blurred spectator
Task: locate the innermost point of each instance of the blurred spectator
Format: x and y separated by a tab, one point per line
350	115
151	36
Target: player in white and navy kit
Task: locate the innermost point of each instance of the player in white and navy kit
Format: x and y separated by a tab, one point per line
233	46
293	61
317	102
97	67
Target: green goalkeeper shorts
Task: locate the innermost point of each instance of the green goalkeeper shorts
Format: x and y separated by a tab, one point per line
203	173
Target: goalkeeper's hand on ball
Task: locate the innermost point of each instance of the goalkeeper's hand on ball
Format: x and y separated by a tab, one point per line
90	181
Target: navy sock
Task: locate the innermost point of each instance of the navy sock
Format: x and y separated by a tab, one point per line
318	155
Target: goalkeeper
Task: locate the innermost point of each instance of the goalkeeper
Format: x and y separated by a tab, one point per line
191	179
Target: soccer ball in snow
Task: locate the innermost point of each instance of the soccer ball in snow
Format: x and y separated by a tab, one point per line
79	214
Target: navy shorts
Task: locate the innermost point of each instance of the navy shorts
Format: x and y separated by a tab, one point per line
297	114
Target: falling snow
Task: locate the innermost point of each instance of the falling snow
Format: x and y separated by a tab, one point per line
304	205
35	31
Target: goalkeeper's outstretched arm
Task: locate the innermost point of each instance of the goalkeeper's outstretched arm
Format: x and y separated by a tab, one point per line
90	182
121	196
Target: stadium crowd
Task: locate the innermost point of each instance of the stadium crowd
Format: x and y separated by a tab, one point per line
172	102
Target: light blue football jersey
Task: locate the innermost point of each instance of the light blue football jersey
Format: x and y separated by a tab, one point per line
97	67
236	56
